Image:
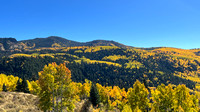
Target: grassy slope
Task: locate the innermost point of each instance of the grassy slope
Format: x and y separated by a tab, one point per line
23	102
14	102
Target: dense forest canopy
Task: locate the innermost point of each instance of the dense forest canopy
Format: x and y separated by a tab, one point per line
109	65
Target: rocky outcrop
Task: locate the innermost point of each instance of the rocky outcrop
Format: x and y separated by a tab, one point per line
1	47
10	44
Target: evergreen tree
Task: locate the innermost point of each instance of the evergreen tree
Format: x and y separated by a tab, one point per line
145	84
25	88
94	95
19	86
4	88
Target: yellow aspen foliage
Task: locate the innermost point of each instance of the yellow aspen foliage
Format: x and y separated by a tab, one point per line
85	90
29	86
138	97
180	109
115	93
110	105
103	93
137	109
114	57
10	81
119	97
127	108
34	87
123	101
57	90
163	98
183	99
195	104
96	110
78	88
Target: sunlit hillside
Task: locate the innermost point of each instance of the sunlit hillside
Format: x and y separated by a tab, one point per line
110	65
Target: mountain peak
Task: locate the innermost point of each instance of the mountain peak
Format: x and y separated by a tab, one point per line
105	43
55	37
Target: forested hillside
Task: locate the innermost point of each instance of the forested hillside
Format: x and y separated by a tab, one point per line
108	65
55	91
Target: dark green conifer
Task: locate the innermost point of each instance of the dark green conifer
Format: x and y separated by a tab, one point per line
19	86
94	95
25	88
4	88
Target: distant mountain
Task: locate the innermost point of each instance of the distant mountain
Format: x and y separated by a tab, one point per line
52	41
9	44
104	43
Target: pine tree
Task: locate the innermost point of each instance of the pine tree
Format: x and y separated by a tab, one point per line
4	88
19	86
94	96
25	88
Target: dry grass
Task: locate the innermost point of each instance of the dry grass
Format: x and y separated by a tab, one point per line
23	102
86	106
18	102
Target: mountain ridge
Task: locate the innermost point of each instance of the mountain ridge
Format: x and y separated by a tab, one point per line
51	41
11	44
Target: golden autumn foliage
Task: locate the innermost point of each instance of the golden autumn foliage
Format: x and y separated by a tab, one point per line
135	100
96	61
114	57
34	87
165	98
57	91
10	81
138	97
98	48
31	55
133	64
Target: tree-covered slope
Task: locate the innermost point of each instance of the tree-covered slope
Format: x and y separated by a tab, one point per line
110	65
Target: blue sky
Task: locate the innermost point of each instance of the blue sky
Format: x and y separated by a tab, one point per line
139	23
